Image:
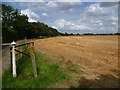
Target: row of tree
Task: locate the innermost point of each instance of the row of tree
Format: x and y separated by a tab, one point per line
16	26
72	34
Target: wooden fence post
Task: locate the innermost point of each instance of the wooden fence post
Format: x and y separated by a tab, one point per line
13	59
33	60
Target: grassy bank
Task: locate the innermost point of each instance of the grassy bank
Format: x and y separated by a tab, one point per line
48	74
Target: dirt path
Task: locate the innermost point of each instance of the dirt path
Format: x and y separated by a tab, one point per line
5	57
97	55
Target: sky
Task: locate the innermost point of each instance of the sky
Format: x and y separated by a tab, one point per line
72	17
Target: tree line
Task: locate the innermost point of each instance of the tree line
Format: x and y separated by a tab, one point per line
77	34
16	26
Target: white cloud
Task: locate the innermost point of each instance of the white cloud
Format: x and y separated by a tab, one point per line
68	6
114	23
96	11
54	27
51	4
62	6
94	18
41	5
100	19
94	8
67	25
32	20
31	15
99	22
114	18
44	14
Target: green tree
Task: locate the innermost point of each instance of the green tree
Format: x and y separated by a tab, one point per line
20	24
9	14
8	34
12	19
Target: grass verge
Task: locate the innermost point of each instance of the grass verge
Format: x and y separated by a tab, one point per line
48	74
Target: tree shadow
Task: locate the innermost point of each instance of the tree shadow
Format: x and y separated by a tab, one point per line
103	81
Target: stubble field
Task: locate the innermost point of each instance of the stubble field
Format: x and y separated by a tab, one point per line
96	56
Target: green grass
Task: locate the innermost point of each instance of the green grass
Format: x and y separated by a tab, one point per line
49	74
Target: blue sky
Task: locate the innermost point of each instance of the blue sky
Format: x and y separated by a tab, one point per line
72	17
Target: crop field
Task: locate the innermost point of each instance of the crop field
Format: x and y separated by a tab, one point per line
96	56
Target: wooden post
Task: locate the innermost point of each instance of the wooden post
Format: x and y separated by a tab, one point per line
13	59
19	53
33	60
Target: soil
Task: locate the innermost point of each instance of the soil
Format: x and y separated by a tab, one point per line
96	55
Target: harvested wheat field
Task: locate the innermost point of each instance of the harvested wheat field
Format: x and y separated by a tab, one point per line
96	55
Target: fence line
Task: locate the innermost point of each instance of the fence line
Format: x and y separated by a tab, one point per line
16	48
